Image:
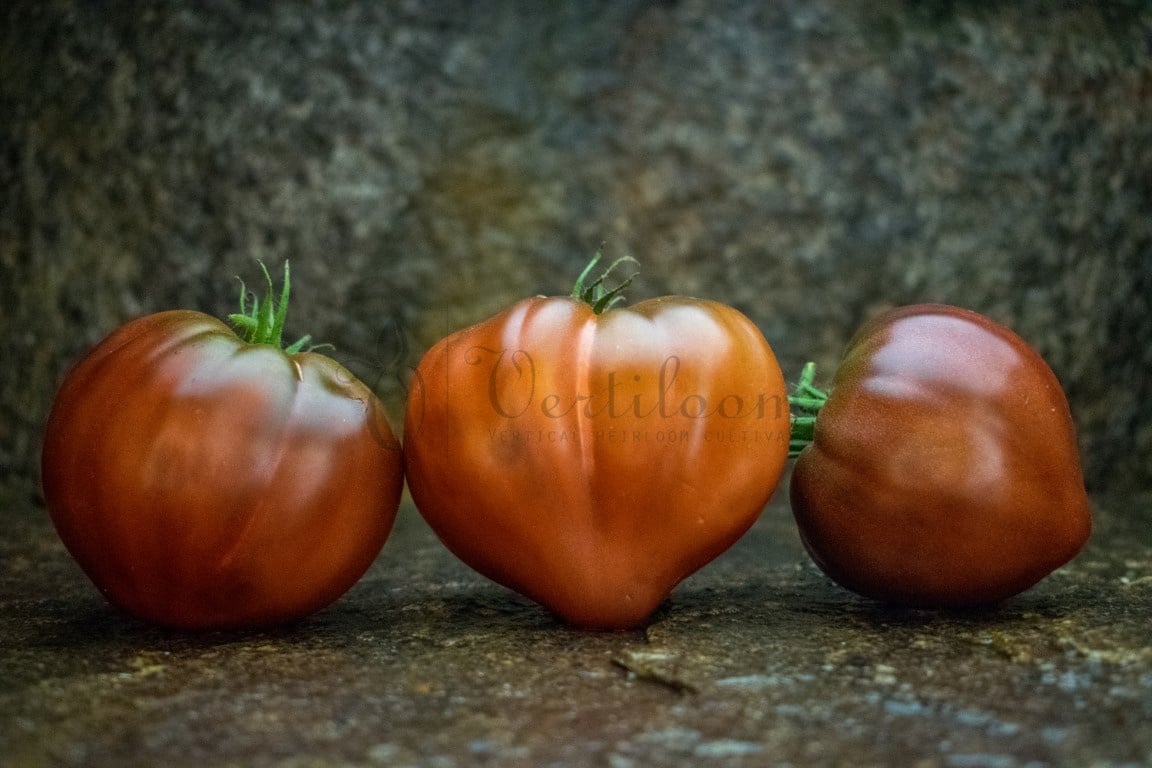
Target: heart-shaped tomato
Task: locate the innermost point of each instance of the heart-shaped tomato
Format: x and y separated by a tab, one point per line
944	469
591	461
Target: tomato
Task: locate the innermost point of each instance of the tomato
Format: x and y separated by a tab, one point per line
591	457
943	469
203	481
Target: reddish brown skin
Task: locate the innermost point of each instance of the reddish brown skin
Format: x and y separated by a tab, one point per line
944	470
202	482
564	504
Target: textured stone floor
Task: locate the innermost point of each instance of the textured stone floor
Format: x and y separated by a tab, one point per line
757	660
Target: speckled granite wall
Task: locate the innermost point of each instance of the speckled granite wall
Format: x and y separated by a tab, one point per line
423	164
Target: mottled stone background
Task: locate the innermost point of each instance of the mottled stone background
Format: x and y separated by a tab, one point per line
423	164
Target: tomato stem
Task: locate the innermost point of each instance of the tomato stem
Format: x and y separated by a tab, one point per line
806	404
596	294
263	323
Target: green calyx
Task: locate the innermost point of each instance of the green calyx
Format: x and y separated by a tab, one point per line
805	403
263	322
596	294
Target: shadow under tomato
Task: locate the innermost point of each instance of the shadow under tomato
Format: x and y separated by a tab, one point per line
1025	607
101	625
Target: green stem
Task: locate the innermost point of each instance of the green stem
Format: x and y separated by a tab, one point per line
806	404
596	294
263	323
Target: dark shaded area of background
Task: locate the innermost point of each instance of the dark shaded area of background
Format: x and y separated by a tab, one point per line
424	164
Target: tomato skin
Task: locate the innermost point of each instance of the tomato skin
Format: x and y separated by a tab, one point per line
944	469
204	482
591	462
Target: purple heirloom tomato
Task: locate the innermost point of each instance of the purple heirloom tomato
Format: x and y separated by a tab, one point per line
943	468
205	480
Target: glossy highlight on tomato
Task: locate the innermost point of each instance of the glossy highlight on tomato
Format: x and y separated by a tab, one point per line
202	481
944	469
592	460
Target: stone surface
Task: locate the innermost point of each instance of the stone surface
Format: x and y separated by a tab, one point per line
424	164
757	660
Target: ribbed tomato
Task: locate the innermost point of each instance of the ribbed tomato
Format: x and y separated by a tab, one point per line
204	481
591	458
